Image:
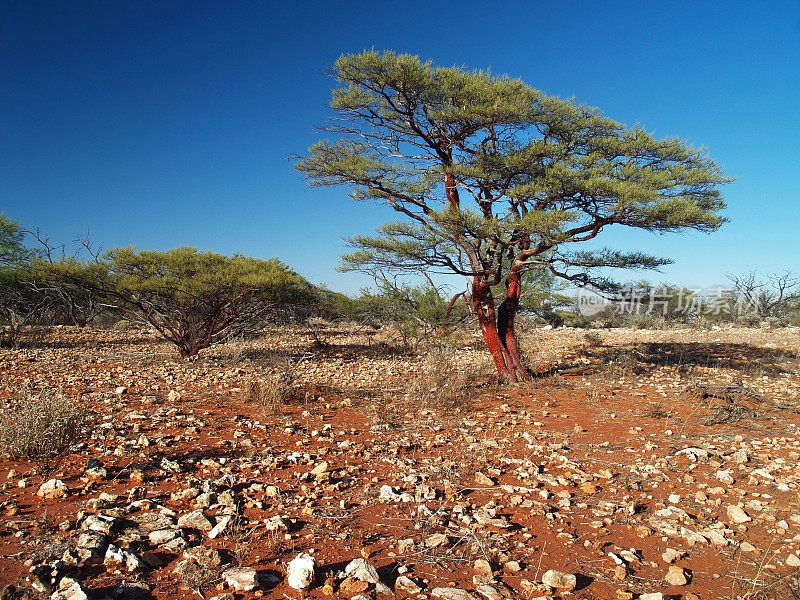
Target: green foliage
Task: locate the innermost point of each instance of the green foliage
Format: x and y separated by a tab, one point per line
495	179
416	312
542	172
22	297
543	294
74	303
12	249
335	306
194	299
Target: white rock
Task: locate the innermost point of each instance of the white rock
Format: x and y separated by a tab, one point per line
300	572
362	570
195	520
715	537
277	523
162	536
54	488
436	540
241	579
560	581
493	592
320	468
726	477
387	493
407	585
740	457
484	480
651	596
122	558
694	454
793	561
452	594
747	547
737	514
484	518
676	576
670	555
220	527
99	523
668	520
69	589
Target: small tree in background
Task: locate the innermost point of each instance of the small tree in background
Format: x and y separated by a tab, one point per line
12	237
774	296
495	179
22	301
417	312
22	297
194	299
58	274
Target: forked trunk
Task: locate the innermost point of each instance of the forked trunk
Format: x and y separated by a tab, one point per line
498	332
506	314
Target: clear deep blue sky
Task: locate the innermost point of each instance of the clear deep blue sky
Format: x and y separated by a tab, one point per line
171	123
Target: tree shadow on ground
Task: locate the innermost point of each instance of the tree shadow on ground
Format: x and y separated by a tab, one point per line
723	355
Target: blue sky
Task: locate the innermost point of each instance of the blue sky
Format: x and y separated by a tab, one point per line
172	123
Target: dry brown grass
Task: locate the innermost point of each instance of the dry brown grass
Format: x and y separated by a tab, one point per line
442	384
41	429
270	394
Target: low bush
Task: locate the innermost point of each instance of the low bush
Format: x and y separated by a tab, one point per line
593	338
41	429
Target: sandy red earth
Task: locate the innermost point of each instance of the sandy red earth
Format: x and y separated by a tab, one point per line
611	466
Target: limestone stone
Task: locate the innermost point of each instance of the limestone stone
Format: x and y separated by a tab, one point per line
300	571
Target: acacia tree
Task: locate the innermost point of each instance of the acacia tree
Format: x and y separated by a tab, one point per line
193	299
58	273
770	295
494	178
12	249
22	298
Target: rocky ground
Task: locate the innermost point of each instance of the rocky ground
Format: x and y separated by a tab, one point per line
649	464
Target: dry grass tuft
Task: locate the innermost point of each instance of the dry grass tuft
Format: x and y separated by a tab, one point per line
442	383
593	338
41	429
270	394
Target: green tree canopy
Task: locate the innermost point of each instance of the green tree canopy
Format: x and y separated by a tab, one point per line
12	249
194	299
21	296
494	178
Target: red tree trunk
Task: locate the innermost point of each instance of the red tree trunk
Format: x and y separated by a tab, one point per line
506	313
498	333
